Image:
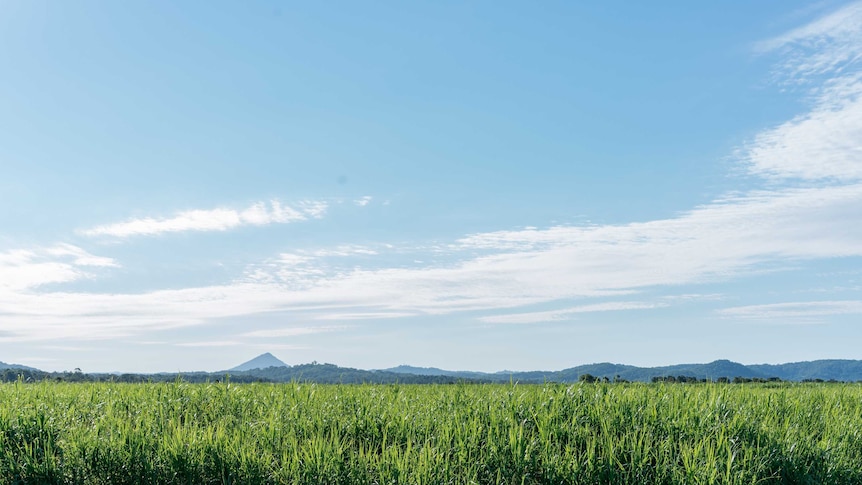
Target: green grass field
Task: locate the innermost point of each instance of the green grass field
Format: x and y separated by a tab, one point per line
430	434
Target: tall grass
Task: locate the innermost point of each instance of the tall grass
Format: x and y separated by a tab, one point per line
430	434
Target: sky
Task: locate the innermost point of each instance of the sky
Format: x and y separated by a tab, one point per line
466	185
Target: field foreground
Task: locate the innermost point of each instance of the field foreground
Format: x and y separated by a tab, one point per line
430	434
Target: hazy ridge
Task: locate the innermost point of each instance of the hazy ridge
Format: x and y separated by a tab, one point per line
269	368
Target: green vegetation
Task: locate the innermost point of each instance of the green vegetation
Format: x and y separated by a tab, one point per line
320	373
717	371
105	433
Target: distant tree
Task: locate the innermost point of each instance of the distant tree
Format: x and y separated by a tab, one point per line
588	378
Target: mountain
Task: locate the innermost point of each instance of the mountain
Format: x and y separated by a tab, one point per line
711	371
333	374
840	370
262	361
268	368
433	371
420	371
4	365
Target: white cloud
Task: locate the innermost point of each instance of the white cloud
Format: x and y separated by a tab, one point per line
718	241
363	201
688	297
794	311
293	331
828	45
67	348
343	250
92	316
365	314
714	242
219	219
565	313
62	263
212	343
275	346
314	209
825	143
288	259
81	257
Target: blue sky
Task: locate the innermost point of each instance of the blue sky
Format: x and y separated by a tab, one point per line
485	185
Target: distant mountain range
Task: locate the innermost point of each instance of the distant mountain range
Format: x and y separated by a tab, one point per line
840	370
268	368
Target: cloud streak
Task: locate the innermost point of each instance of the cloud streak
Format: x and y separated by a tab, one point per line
22	270
566	313
220	219
293	331
794	311
823	144
715	242
830	44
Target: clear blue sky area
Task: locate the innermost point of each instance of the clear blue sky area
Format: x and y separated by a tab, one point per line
470	185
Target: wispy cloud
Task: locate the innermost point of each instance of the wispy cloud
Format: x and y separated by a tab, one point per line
565	313
212	343
80	257
313	209
793	312
62	263
293	331
67	348
219	219
715	242
343	250
364	314
363	201
830	44
822	144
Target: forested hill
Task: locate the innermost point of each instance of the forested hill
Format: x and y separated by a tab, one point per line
825	370
839	370
320	373
4	365
333	374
